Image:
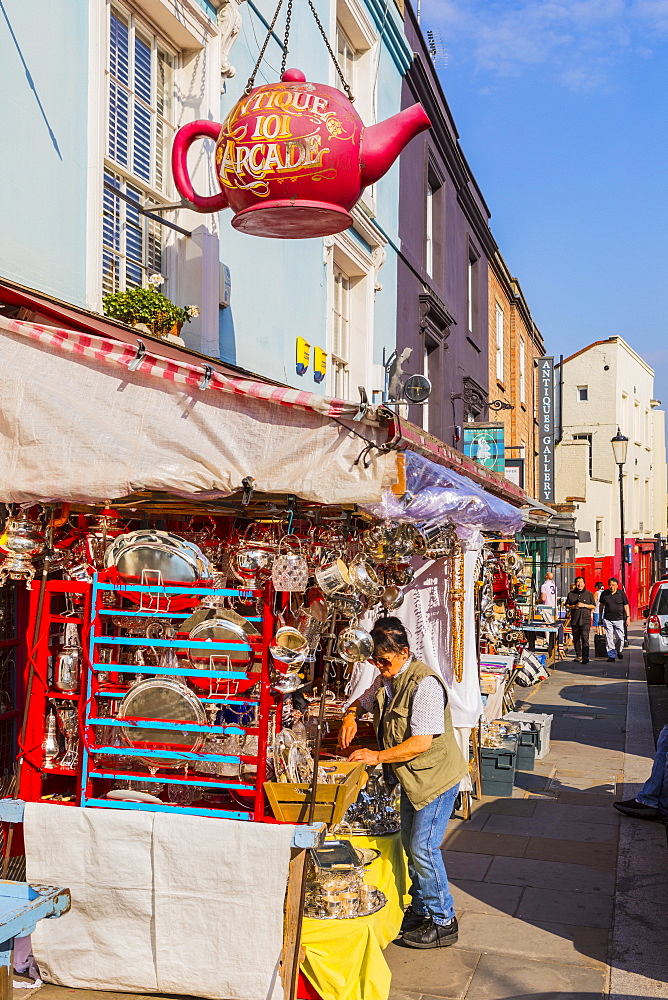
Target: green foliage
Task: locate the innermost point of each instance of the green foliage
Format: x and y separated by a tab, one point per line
146	305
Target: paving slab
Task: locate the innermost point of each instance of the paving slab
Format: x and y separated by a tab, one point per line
479	842
556	828
550	875
465	865
499	934
572	852
486	897
499	977
587	909
441	972
577	797
577	813
506	807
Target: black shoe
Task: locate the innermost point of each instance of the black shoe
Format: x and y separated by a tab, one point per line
620	656
634	808
411	920
431	935
611	659
585	662
577	659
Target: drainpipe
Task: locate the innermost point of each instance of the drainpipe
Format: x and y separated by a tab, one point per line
561	399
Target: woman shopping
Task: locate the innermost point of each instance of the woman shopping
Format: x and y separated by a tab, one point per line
418	750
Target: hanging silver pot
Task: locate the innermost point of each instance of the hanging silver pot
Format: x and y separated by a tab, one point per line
354	644
333	577
67	668
289	646
391	598
364	577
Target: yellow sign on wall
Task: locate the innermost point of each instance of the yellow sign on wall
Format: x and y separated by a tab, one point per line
303	355
319	364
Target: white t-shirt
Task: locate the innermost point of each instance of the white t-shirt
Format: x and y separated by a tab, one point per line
548	593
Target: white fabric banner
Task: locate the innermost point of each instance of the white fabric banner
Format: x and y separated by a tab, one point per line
160	903
79	428
426	614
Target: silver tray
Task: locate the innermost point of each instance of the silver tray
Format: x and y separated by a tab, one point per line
365	831
380	900
177	560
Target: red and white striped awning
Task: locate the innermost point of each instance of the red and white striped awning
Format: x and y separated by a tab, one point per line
113	352
90	419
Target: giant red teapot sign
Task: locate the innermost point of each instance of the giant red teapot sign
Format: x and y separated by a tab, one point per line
292	158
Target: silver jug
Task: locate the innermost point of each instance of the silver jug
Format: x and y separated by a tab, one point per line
67	670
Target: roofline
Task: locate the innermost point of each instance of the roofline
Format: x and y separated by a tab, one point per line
611	340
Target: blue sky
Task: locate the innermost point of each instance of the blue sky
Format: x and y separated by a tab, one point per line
562	110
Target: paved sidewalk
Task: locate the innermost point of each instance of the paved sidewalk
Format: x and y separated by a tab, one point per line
536	877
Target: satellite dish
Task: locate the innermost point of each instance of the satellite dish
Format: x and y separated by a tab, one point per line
417	388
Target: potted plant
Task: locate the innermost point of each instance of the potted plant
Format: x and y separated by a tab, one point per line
149	308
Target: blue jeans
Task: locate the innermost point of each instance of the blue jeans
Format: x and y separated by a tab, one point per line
422	833
655	790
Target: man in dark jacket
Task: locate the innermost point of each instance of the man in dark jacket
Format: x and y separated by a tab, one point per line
580	603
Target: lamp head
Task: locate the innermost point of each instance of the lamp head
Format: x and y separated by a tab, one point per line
620	444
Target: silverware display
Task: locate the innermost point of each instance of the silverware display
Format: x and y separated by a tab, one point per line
159	552
354	644
161	699
50	746
23	541
68	723
67	666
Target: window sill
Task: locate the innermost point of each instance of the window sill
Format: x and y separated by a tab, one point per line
500	385
523	406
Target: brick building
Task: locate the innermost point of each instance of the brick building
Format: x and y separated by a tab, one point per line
514	345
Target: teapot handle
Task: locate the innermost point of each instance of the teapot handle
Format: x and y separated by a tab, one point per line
182	142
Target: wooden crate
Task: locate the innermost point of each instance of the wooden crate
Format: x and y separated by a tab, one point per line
290	802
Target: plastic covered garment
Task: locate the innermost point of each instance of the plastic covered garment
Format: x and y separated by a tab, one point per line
438	495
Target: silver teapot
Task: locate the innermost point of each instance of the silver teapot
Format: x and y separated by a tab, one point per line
24	541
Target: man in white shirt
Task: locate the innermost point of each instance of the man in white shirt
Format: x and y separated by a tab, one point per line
548	591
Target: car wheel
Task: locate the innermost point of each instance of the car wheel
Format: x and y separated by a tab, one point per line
655	673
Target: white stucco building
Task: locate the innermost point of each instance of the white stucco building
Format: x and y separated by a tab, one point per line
607	386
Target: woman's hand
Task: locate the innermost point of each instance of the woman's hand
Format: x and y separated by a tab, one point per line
365	756
347	731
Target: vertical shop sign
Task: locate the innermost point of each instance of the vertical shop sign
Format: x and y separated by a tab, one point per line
546	425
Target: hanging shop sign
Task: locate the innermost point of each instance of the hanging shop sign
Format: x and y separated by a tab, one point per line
292	158
546	432
484	443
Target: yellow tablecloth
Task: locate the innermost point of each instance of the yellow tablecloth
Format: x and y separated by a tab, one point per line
344	958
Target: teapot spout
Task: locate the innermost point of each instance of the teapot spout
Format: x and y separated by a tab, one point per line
382	143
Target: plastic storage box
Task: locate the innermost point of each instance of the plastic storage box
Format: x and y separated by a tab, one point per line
498	769
526	748
544	723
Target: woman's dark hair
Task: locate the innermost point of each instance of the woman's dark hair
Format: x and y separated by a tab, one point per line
389	635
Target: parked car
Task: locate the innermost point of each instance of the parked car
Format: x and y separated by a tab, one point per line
655	641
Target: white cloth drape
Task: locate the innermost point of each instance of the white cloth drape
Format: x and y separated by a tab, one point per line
161	903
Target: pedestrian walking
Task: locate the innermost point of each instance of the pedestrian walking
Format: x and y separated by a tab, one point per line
548	591
418	750
579	604
598	590
614	605
651	802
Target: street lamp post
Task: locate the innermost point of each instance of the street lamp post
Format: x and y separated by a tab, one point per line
619	447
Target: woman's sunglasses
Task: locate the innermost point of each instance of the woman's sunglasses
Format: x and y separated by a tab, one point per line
380	661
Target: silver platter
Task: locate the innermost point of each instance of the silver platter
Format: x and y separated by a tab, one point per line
379	900
164	699
163	552
366	831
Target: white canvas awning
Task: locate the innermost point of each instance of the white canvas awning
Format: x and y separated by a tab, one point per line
77	424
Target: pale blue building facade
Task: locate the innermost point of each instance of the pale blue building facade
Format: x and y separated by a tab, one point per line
92	95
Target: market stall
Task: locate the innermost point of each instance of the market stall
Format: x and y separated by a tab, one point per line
198	592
